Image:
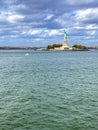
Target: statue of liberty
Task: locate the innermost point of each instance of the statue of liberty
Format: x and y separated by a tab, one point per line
65	44
65	36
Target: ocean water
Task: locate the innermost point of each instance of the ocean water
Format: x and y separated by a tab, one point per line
45	90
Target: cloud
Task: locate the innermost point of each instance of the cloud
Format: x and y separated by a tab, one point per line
92	33
31	32
76	2
15	18
34	20
87	14
49	17
54	32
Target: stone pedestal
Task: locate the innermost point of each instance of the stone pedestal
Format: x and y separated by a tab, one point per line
65	44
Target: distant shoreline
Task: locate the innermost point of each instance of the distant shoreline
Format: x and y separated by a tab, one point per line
36	48
17	48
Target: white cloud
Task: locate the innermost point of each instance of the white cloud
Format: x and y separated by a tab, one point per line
15	17
49	17
9	1
54	32
87	14
10	17
87	27
92	33
31	32
13	36
91	26
39	39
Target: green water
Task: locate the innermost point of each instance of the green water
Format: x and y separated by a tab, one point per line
48	90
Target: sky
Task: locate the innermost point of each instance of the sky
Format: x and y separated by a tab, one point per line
42	22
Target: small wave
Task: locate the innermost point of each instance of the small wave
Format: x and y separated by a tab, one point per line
26	54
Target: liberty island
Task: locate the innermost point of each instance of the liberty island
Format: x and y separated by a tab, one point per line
61	47
65	46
